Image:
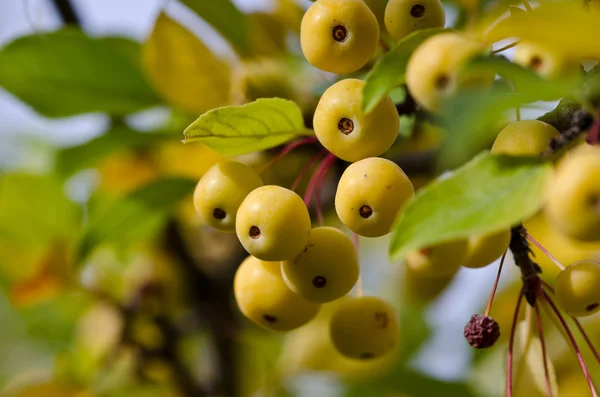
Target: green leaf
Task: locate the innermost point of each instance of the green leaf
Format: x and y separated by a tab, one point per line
258	125
389	72
72	159
487	195
226	19
65	73
475	115
137	216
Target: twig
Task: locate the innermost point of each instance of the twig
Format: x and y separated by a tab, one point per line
66	11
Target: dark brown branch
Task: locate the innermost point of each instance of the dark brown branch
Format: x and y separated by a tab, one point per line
67	12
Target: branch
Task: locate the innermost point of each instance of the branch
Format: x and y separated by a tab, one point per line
66	11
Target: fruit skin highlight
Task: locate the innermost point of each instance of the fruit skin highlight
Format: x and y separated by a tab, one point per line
370	194
364	328
346	131
273	223
263	297
220	192
326	270
578	288
339	36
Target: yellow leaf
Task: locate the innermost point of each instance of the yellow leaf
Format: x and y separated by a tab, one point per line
529	375
567	26
183	70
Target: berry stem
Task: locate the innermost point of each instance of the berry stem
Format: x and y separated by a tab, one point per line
359	284
329	160
527	5
306	167
594	133
288	148
544	250
506	47
323	166
511	342
565	326
488	308
540	329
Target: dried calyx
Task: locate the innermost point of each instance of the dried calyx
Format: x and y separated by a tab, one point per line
482	331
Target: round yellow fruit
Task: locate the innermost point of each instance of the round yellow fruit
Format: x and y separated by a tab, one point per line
346	131
370	194
220	192
364	328
326	270
524	138
273	223
578	288
339	36
433	73
572	195
263	297
442	260
403	17
546	61
485	249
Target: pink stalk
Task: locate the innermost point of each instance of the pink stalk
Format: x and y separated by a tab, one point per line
322	167
488	309
540	328
288	148
306	167
511	342
544	250
584	368
330	160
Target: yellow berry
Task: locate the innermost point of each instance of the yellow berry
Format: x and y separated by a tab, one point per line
420	288
572	195
273	223
547	62
433	72
524	138
485	249
339	36
220	192
263	297
327	269
578	288
346	131
364	328
442	260
403	17
370	194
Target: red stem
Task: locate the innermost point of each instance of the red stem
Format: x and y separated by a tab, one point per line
306	167
544	250
511	342
322	167
579	327
329	160
495	287
584	368
540	328
288	148
594	134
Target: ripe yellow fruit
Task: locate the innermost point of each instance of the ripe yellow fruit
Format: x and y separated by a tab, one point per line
273	223
370	194
364	328
421	289
572	195
578	288
346	131
485	249
263	297
442	260
403	17
339	36
433	73
326	270
220	192
524	138
546	61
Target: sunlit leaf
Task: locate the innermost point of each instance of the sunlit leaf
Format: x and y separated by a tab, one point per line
256	126
389	72
74	158
137	216
572	27
226	19
475	116
487	195
183	69
64	73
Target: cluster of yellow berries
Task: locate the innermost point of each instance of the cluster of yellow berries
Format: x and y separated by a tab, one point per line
294	267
